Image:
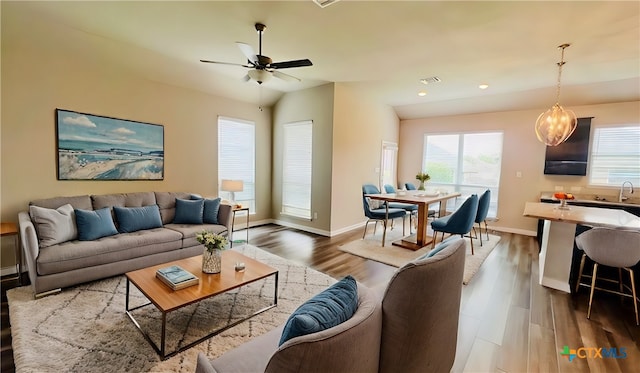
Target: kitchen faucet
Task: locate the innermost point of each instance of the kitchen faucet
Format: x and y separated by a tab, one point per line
622	197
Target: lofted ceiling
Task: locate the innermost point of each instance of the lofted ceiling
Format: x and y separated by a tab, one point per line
381	47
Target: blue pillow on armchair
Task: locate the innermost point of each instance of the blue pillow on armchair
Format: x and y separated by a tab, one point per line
327	309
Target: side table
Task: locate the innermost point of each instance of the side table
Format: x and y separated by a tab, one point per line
236	210
11	229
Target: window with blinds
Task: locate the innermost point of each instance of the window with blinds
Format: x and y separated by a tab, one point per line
236	158
464	162
615	156
296	169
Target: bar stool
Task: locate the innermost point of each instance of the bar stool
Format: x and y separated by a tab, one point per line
613	248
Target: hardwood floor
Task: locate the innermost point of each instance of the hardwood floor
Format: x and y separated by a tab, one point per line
508	322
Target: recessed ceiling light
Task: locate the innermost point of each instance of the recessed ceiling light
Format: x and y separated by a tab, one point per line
422	93
483	86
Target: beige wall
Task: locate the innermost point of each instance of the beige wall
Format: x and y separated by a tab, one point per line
315	104
360	126
521	152
37	81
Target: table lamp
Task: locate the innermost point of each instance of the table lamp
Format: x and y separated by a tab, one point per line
232	186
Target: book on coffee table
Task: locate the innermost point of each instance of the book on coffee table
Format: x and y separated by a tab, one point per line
176	277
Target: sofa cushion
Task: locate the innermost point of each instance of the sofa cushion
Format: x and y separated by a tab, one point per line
331	307
72	255
188	231
131	219
94	224
78	202
210	213
54	226
188	211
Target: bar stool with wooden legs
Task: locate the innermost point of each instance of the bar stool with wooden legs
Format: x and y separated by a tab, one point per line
613	248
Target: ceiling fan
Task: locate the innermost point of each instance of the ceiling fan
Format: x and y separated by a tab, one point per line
262	67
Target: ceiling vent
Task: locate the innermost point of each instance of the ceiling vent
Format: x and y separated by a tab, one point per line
325	3
430	80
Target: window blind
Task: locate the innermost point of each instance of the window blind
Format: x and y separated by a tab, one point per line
296	174
615	156
236	158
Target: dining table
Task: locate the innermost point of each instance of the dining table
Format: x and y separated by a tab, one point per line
558	235
422	199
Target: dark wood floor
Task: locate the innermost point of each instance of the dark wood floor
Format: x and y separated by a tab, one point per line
508	322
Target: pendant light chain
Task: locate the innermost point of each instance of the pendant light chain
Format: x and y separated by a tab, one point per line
560	64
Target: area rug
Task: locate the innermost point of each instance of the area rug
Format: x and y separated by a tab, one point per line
85	328
371	248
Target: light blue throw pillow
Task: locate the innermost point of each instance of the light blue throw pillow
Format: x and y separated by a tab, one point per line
131	219
211	208
331	307
189	211
94	224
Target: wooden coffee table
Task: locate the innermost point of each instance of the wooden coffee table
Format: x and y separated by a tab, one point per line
167	300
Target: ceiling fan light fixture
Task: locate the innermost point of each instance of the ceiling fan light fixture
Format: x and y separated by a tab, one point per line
555	125
259	75
325	3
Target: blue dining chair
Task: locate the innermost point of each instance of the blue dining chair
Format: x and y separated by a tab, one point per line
481	216
379	213
460	222
409	186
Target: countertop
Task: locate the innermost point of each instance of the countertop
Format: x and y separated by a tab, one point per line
595	216
604	200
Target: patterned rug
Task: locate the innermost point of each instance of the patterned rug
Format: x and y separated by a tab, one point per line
371	248
85	328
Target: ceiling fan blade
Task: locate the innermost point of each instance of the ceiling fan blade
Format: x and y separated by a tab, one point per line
226	63
284	76
248	52
289	64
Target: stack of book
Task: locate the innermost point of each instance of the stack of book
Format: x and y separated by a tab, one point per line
176	277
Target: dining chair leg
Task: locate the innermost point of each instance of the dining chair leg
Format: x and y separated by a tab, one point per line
435	238
384	231
479	232
471	240
486	230
584	258
365	229
404	220
593	287
633	293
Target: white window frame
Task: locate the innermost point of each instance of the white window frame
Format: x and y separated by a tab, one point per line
457	185
237	158
614	156
297	169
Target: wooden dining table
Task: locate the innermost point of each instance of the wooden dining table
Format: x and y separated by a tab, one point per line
423	199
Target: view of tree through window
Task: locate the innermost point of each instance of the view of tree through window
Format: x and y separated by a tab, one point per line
464	162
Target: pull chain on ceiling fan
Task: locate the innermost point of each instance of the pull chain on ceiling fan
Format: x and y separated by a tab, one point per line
262	67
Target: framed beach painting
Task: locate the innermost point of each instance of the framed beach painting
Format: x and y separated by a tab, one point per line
93	147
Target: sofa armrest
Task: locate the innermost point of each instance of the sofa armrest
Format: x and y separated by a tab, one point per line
225	217
29	242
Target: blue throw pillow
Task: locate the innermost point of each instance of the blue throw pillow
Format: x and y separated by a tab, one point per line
211	208
188	211
131	219
332	307
94	224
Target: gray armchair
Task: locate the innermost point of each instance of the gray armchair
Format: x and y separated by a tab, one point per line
420	311
332	350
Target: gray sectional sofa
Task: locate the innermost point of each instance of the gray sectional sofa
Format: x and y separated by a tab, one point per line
56	258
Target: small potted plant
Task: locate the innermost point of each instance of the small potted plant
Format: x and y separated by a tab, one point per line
213	245
422	176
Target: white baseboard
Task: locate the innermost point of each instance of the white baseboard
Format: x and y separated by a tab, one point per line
8	271
321	232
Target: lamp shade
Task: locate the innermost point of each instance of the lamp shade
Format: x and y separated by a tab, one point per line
555	125
259	75
231	185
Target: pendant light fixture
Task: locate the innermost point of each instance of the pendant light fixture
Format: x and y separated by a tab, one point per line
555	125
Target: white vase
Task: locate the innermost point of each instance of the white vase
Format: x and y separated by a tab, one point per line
211	261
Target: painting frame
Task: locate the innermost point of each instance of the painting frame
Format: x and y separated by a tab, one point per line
97	147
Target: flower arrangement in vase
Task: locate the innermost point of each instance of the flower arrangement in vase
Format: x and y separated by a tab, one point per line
422	176
213	245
